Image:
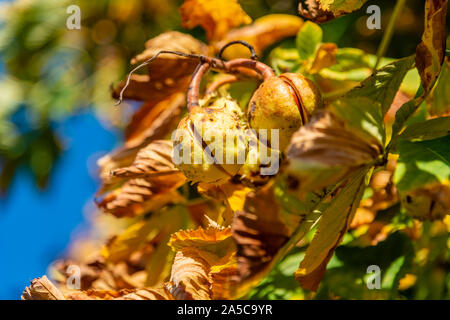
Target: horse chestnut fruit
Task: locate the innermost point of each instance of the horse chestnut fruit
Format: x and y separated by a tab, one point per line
284	103
201	150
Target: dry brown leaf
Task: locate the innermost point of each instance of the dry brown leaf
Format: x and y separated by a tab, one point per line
151	161
167	74
259	233
264	32
138	196
216	17
42	289
157	128
155	120
189	279
205	259
324	152
127	294
430	51
147	294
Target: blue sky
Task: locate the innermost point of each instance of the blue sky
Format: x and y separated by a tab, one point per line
36	226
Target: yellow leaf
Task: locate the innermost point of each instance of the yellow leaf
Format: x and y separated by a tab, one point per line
325	57
216	17
121	246
198	238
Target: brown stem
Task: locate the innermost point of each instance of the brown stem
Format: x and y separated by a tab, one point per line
241	74
194	86
261	68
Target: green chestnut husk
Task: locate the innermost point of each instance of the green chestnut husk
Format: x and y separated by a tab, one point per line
203	133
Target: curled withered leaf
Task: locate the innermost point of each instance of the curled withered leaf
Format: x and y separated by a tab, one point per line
42	289
189	276
262	33
430	51
216	17
151	161
155	120
199	237
259	233
126	294
145	130
167	74
326	10
324	152
138	196
204	265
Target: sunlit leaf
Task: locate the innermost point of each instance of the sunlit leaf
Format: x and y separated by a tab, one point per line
422	177
308	39
333	224
427	130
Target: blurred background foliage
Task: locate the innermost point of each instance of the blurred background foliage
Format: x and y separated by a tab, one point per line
50	72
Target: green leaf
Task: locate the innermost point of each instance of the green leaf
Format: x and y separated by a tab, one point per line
403	114
308	38
348	280
384	84
422	163
427	130
332	227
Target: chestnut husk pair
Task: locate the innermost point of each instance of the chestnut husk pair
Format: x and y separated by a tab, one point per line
282	102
